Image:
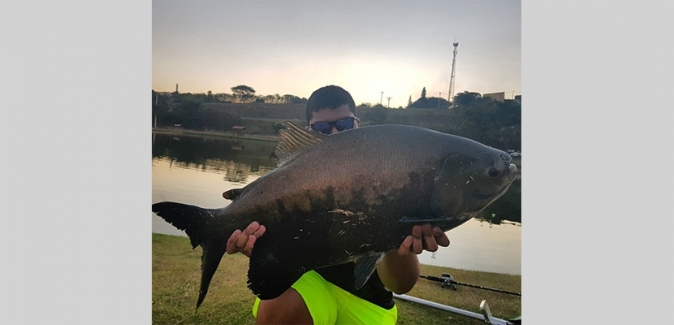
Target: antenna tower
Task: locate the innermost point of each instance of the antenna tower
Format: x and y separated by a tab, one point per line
451	79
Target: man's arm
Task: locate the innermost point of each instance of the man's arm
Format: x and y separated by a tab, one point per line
399	270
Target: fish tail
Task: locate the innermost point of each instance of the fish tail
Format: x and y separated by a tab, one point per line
198	223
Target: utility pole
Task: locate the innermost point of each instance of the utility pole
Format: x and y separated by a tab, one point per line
389	102
439	96
381	97
451	79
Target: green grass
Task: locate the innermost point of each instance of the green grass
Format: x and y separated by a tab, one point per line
502	305
176	273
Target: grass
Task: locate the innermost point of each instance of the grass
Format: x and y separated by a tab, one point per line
176	274
502	305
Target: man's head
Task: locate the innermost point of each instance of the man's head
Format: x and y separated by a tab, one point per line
331	109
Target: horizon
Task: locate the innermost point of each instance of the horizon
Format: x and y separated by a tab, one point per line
304	98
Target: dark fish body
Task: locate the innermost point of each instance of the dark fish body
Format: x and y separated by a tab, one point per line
352	195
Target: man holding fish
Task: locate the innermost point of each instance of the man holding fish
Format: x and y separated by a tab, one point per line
327	295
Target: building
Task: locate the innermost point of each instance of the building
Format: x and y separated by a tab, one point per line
496	96
239	129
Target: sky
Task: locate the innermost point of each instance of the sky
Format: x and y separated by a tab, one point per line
367	47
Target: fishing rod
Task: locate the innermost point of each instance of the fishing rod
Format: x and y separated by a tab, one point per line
447	281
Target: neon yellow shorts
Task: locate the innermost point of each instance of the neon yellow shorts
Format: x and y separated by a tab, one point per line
330	304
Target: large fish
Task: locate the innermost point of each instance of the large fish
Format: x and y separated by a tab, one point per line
352	195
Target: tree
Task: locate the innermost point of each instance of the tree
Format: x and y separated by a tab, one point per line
378	114
409	101
497	124
292	99
430	102
466	98
176	97
187	113
160	107
423	93
243	92
364	105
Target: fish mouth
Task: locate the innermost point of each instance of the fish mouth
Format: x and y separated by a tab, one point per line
482	199
513	170
486	199
512	176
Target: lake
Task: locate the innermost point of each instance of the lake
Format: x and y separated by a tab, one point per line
197	170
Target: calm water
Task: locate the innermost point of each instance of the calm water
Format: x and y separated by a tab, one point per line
196	170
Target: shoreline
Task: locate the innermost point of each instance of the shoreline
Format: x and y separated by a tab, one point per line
271	138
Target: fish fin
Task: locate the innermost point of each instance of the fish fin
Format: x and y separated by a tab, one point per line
210	260
232	194
290	249
293	140
268	275
365	266
196	222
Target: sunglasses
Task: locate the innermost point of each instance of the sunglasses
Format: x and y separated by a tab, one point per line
341	125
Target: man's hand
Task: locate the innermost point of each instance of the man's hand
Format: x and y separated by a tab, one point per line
423	237
243	241
399	270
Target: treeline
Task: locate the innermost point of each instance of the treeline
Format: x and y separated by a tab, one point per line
492	122
186	110
241	94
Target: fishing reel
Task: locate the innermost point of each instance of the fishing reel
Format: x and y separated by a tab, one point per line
447	281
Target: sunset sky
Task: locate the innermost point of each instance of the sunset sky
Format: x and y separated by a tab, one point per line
295	47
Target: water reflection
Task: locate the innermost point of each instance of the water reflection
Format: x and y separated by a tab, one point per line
480	245
507	208
236	159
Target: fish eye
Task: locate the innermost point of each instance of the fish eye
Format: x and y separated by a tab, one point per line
493	172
